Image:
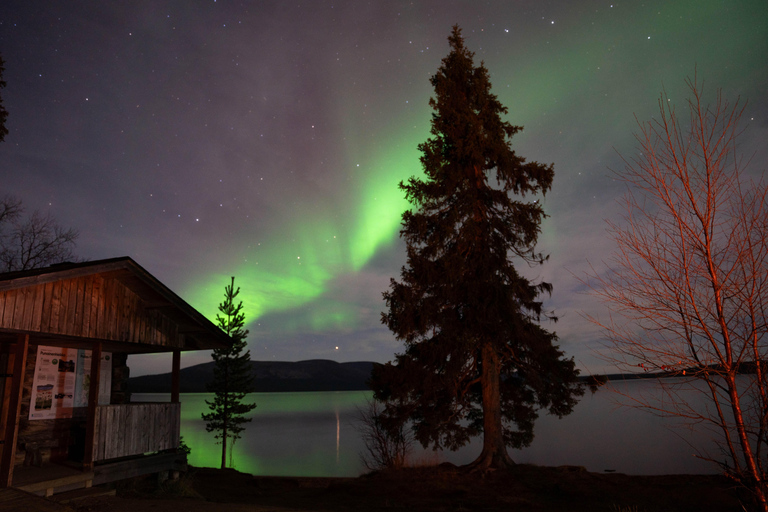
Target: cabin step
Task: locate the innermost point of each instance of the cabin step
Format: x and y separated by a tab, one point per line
81	494
65	483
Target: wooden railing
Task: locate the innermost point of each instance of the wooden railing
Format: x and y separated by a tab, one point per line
134	429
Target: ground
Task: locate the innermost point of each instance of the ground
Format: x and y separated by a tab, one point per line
444	488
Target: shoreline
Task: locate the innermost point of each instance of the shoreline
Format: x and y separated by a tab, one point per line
426	489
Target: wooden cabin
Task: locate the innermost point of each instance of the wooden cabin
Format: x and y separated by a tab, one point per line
65	334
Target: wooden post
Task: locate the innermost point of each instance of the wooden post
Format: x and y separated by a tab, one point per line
175	376
6	367
14	407
93	402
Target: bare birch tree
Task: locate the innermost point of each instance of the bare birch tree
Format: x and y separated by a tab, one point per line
34	241
688	283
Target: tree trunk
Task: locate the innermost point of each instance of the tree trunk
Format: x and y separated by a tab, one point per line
224	446
754	480
494	454
225	418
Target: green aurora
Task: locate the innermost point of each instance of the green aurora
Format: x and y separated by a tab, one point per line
586	60
299	264
266	141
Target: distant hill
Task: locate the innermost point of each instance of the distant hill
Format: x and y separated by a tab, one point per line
269	376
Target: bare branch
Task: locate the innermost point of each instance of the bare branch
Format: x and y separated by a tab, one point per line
34	242
687	282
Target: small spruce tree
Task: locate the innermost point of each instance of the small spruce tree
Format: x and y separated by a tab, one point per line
232	379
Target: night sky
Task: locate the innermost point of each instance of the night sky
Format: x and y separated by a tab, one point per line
265	140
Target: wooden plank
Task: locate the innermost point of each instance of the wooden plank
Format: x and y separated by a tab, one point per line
10	306
108	437
111	297
70	308
108	296
130	316
96	306
45	313
127	314
98	424
18	312
147	328
111	472
101	325
144	438
37	308
167	331
14	408
150	440
136	315
29	308
124	327
105	436
113	434
114	307
55	307
80	304
120	325
119	434
4	306
168	434
87	302
64	307
140	323
101	429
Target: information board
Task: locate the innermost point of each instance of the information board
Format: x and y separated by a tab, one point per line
62	380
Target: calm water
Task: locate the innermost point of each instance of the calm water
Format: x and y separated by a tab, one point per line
313	434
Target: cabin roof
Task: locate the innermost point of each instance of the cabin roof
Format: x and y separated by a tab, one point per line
115	301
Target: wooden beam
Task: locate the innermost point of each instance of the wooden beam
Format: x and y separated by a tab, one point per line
131	468
176	368
14	408
93	402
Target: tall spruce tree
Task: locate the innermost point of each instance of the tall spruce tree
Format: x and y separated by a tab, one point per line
232	379
476	360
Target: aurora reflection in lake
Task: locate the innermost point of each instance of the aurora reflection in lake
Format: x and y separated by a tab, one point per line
314	434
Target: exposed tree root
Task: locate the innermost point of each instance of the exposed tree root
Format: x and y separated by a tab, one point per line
490	460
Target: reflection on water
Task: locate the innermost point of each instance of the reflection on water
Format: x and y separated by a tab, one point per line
313	434
292	434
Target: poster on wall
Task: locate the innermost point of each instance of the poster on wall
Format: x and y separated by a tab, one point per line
61	382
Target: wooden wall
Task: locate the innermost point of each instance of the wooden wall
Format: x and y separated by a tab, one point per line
135	429
91	307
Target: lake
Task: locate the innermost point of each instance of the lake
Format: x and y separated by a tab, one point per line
314	434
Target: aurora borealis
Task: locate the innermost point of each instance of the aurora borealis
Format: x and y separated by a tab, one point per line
265	140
